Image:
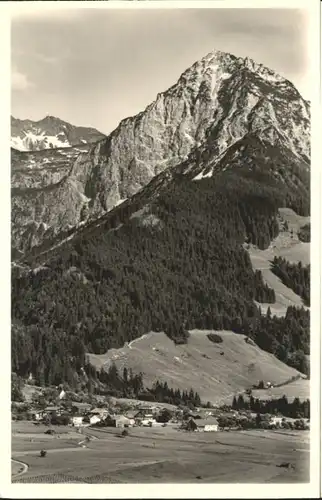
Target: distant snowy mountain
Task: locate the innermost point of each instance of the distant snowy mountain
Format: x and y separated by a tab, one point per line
49	133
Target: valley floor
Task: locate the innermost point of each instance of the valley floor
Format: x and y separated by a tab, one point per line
164	455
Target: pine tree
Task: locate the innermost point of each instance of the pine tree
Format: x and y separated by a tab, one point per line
240	402
125	375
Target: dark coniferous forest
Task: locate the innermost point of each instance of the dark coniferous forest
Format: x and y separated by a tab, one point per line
294	276
178	263
294	409
131	385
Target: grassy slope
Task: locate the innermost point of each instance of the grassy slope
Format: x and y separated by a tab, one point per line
297	389
199	364
286	245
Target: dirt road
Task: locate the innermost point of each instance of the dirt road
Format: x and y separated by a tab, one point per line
21	468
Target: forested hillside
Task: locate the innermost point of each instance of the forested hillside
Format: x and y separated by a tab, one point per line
177	262
295	276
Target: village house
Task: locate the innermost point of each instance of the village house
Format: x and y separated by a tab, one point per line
102	413
203	425
122	421
119	421
52	411
94	419
145	417
81	408
208	425
77	421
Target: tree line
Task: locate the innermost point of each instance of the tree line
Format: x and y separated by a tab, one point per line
130	385
294	276
162	393
287	337
294	409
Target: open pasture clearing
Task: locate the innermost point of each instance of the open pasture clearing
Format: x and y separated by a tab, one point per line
215	371
40	442
297	389
287	245
137	404
32	438
169	455
29	428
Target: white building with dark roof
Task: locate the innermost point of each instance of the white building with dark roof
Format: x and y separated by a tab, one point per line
203	425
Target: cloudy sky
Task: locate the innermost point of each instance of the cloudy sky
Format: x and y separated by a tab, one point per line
95	67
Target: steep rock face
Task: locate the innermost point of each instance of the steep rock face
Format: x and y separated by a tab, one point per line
212	111
38	169
49	133
219	99
37	213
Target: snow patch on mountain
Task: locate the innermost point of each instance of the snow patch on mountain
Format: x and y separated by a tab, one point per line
49	133
203	175
32	141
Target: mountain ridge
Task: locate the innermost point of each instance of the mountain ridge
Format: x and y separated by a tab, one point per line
215	103
48	133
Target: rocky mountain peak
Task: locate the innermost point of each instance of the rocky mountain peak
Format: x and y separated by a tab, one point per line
216	63
215	103
51	120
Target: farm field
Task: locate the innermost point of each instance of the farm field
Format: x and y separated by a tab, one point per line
169	455
216	371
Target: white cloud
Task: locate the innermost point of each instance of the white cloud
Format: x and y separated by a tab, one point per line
19	81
